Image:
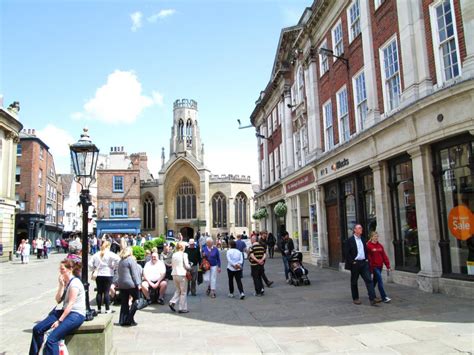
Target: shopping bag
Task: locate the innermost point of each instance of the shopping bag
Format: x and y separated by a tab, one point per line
63	348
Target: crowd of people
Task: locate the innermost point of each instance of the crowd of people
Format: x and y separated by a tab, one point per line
188	264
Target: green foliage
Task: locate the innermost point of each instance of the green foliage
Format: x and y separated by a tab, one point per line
158	242
149	244
280	209
260	213
138	252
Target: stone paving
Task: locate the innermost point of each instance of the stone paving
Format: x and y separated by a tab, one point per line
319	318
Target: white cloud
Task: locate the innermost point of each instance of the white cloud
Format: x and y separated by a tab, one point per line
57	139
157	98
76	116
161	15
136	20
120	100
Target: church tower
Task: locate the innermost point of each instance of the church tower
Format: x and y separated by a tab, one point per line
185	136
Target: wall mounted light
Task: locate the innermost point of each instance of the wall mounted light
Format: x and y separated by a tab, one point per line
330	53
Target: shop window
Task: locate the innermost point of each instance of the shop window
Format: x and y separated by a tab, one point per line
348	188
313	222
453	162
219	211
369	203
407	253
294	221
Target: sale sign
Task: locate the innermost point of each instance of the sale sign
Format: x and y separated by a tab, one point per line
461	222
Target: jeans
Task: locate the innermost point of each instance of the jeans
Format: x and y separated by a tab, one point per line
238	279
128	312
257	271
378	280
271	250
361	268
286	265
103	291
70	323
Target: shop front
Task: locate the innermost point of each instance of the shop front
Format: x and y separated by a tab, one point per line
118	226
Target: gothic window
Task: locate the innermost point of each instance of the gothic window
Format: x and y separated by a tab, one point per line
149	213
189	133
219	211
240	210
186	200
180	130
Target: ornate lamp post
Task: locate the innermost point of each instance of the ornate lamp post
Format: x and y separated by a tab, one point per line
166	226
84	156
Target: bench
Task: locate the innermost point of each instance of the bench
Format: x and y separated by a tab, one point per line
93	337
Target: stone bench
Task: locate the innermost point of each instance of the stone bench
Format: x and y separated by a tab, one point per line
93	337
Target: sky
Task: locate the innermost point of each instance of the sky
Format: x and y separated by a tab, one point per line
118	66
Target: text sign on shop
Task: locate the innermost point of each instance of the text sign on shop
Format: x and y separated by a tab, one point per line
461	222
299	182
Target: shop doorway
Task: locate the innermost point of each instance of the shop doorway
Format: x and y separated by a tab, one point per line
187	233
334	236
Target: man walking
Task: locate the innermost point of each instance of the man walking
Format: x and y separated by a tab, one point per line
357	263
286	247
257	258
263	242
194	257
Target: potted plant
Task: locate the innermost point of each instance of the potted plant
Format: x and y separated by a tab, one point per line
139	254
280	209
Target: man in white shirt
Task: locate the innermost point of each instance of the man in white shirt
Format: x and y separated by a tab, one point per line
154	274
39	247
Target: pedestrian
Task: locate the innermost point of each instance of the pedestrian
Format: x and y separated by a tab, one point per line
242	247
357	262
194	257
377	258
180	265
257	260
271	245
33	244
154	278
58	245
39	247
235	260
70	317
201	241
46	248
94	244
129	279
212	255
103	264
244	236
286	248
166	256
20	249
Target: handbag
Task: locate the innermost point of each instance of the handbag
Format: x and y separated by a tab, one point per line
189	276
141	302
205	265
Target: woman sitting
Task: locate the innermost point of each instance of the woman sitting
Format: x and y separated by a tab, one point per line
70	317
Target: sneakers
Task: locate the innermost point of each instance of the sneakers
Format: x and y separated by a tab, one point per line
172	307
262	292
357	301
242	296
230	295
99	311
387	300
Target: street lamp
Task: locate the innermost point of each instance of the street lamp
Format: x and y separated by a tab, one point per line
84	156
330	53
166	226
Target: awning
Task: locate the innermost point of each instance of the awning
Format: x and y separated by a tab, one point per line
118	226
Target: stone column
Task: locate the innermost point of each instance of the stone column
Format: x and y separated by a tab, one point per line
416	73
467	11
298	222
204	211
265	157
369	65
287	127
312	104
322	227
231	215
382	208
428	231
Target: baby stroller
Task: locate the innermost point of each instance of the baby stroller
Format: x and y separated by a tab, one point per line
298	273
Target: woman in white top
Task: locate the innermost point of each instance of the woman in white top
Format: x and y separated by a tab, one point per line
235	260
180	265
104	263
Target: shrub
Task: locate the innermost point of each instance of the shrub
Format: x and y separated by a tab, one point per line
260	213
138	252
149	244
280	209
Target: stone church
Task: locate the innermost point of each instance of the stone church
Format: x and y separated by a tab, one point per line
186	197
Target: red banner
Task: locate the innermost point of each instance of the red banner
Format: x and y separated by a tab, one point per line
299	182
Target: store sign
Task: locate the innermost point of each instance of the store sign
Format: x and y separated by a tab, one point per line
340	164
299	182
461	222
275	193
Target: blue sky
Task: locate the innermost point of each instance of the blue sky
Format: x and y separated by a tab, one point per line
118	66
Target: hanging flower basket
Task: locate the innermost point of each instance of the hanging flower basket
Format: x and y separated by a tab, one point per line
261	213
280	209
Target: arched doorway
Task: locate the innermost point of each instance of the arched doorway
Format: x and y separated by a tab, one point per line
187	233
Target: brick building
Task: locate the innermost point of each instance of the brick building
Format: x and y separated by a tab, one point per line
37	191
367	118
